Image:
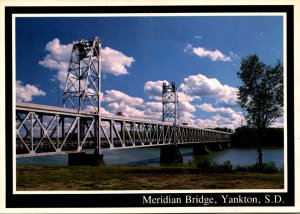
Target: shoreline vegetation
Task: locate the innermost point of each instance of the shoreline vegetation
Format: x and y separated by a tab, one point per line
202	174
244	137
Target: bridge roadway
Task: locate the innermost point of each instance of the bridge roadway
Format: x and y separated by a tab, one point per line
42	129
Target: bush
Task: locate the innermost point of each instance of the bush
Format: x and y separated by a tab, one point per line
206	165
210	166
266	168
270	167
203	164
226	167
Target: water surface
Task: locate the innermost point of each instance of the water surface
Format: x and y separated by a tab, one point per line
151	156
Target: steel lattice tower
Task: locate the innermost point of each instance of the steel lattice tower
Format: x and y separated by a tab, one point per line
170	103
82	87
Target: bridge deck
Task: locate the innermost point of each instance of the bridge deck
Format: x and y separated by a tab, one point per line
43	129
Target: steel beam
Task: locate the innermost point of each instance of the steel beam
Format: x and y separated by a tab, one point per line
39	127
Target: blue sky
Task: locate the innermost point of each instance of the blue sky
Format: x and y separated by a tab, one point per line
201	55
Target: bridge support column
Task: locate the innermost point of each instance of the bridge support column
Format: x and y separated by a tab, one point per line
216	146
81	158
226	145
170	154
200	149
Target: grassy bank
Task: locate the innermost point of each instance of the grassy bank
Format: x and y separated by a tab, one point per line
141	178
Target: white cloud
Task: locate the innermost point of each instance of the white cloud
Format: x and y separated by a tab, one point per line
58	58
115	62
215	55
217	121
226	117
278	123
154	89
186	107
25	93
200	85
126	110
150	110
186	117
90	108
207	107
131	106
120	97
205	123
225	112
182	97
153	106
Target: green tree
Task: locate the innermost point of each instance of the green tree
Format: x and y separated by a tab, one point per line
261	95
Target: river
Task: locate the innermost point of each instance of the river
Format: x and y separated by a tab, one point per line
151	155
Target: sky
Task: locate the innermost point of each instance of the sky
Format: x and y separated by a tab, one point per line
201	54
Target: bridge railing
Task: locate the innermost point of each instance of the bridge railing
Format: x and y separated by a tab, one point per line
41	129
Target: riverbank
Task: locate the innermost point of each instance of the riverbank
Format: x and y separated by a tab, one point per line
43	178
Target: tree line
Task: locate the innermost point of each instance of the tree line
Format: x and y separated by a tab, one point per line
247	137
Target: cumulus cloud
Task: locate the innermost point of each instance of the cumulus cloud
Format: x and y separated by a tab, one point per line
115	62
120	97
225	112
217	121
215	55
225	117
126	110
149	110
187	117
200	85
154	89
207	107
153	106
182	97
136	107
90	108
58	58
26	93
186	107
153	110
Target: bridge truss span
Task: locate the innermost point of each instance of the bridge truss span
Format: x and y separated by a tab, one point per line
45	129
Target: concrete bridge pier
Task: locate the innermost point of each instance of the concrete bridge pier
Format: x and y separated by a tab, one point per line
170	154
216	146
226	145
81	158
200	149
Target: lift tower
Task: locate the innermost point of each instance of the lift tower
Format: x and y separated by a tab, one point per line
170	153
170	103
83	84
82	87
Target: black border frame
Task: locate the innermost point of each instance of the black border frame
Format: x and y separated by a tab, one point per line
135	199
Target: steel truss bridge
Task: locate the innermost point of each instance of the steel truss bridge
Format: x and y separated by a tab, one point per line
44	129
